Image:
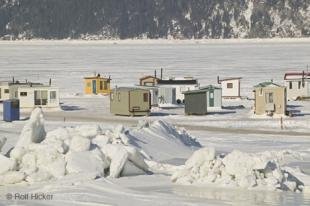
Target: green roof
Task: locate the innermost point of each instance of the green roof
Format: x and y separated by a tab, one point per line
201	89
266	84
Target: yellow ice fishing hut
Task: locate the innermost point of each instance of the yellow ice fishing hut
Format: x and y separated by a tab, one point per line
97	85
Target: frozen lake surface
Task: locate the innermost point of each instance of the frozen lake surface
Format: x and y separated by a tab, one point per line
68	62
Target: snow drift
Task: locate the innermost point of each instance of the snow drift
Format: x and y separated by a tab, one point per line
86	150
238	169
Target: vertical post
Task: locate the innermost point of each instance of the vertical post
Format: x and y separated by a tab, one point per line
281	122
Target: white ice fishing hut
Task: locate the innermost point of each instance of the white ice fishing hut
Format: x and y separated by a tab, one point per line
297	85
166	95
230	87
180	84
33	95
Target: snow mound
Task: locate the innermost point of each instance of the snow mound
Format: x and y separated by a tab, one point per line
86	150
238	169
172	141
166	129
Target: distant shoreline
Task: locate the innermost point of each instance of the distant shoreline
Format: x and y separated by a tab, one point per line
158	41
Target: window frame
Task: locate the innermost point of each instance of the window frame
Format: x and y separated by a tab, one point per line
23	94
146	97
229	85
269	96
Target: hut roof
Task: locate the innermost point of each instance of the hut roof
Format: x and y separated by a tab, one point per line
296	75
267	84
177	81
210	87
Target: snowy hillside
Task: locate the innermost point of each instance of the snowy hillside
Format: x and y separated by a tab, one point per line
185	19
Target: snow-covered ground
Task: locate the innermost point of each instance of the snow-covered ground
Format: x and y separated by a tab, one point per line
229	129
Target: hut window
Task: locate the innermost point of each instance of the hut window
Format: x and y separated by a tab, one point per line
112	96
299	84
145	97
6	91
230	85
53	95
290	85
105	85
269	98
101	85
88	84
23	94
40	97
119	96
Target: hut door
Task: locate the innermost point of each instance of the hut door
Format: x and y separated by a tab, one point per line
211	98
94	87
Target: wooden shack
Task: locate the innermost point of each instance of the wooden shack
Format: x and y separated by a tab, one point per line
269	99
97	85
130	101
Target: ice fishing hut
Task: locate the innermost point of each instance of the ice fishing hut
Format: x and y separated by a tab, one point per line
180	85
196	102
130	101
230	87
97	85
150	80
269	99
31	95
297	85
4	90
214	96
166	96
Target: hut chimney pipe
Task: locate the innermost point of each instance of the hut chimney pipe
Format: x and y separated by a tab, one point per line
161	73
50	82
155	75
13	80
218	79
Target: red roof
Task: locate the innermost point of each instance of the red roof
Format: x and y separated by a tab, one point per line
306	74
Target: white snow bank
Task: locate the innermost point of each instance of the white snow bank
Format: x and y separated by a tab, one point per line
33	131
162	141
238	169
86	150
